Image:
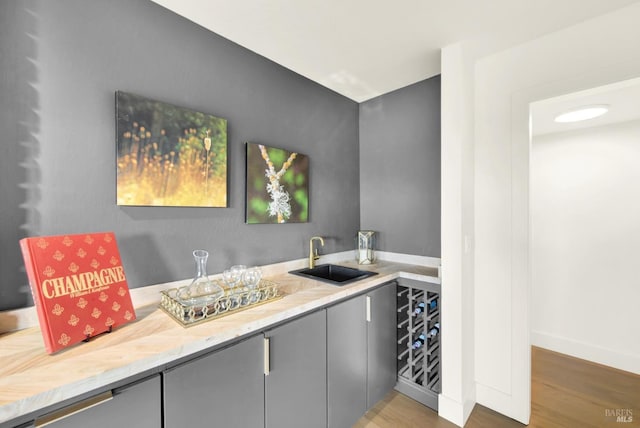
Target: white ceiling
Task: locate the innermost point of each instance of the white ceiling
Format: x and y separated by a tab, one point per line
623	99
365	48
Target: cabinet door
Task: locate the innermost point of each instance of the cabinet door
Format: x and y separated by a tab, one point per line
346	362
295	386
225	389
381	335
137	405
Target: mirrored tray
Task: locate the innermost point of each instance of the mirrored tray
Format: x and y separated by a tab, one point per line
207	307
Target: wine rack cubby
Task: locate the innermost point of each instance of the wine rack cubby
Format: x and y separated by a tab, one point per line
418	340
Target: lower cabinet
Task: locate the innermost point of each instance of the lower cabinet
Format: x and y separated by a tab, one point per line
346	362
296	376
136	405
381	343
361	354
324	369
273	380
224	388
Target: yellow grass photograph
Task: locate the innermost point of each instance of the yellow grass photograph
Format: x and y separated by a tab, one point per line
169	155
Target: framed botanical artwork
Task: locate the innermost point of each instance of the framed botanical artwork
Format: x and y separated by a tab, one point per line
277	185
169	155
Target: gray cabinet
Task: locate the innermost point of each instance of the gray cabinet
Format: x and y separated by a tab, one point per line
361	354
296	377
135	405
224	388
381	347
346	362
275	380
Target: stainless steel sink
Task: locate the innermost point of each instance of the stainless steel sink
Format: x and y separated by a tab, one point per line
334	274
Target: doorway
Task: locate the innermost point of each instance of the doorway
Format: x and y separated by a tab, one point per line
584	230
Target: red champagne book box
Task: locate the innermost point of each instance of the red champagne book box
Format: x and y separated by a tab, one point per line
78	285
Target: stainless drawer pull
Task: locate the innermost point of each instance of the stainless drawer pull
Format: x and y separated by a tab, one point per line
267	363
368	309
73	409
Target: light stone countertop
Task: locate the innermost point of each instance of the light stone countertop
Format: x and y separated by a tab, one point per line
31	380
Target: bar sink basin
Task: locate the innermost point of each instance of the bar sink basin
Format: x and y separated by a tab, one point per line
334	274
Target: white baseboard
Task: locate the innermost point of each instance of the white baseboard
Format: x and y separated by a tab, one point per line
451	410
587	351
454	411
503	402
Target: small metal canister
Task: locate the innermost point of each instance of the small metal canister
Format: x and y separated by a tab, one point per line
365	243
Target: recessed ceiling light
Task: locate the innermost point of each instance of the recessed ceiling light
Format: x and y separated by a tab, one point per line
582	113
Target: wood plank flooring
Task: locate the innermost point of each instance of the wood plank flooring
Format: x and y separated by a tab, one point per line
566	393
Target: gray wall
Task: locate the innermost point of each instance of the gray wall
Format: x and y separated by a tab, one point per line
400	168
18	123
61	64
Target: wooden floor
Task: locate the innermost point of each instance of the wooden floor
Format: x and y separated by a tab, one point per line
566	392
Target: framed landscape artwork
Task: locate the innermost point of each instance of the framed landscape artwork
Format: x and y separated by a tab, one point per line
277	185
168	155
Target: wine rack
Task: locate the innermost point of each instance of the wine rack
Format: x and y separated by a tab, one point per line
418	340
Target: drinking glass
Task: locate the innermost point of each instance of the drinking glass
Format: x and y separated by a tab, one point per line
252	277
231	278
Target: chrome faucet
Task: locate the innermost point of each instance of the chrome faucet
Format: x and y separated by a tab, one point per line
313	255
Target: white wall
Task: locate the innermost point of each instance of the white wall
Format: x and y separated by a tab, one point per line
458	390
593	53
585	207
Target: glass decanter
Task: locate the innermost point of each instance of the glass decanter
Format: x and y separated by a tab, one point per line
201	289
